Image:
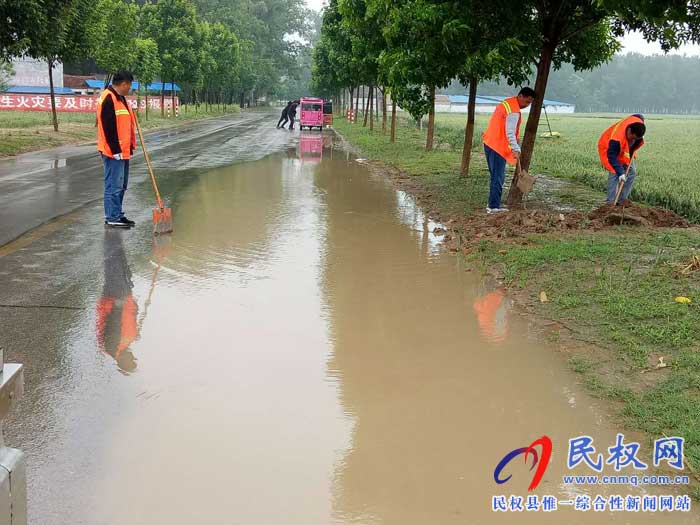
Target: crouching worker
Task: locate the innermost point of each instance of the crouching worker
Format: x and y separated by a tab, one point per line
617	148
116	142
501	142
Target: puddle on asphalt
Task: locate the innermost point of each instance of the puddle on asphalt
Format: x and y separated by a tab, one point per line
301	351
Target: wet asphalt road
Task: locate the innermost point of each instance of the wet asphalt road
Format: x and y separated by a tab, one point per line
38	187
299	351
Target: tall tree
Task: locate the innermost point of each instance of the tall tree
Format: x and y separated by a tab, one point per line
363	29
172	24
485	46
112	32
334	67
146	65
61	33
416	59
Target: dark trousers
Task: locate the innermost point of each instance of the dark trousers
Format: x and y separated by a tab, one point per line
291	121
283	120
116	182
497	169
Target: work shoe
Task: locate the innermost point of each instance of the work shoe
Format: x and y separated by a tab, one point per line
116	224
496	210
127	221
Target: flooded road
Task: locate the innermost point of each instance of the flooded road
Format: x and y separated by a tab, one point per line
299	351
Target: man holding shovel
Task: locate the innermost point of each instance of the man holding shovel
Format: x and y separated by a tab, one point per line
617	149
116	142
501	142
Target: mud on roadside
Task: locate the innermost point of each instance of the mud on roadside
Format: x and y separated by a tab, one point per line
464	230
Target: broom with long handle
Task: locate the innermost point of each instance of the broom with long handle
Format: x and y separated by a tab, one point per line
162	216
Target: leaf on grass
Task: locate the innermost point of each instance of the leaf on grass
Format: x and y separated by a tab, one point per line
543	297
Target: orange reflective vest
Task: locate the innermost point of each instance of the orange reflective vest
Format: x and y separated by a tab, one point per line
618	132
125	127
494	327
127	324
495	135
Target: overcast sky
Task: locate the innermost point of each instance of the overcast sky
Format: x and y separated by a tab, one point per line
632	42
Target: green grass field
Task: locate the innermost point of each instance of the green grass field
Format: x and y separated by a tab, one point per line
668	167
22	131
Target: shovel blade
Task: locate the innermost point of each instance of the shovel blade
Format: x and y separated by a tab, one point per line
162	220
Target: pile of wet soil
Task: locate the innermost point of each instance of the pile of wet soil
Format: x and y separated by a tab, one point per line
466	231
633	214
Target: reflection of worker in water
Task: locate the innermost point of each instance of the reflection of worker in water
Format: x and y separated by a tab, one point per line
491	313
116	310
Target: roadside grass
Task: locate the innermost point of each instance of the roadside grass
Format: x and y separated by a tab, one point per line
619	290
23	131
615	289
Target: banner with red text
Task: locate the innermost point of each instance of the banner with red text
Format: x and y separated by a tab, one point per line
70	103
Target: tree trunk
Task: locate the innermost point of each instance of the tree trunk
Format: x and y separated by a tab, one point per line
515	196
376	103
393	120
371	108
146	104
469	129
352	92
54	117
162	98
172	97
357	104
384	111
365	98
431	121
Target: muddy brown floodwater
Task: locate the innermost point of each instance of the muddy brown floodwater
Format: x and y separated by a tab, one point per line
302	351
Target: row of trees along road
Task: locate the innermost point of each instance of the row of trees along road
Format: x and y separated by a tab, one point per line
413	47
217	50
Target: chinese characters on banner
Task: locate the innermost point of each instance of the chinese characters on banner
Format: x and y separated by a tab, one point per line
69	103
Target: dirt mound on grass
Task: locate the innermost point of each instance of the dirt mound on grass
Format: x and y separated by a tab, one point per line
516	223
633	214
466	232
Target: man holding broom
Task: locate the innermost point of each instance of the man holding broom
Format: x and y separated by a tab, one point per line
116	142
617	149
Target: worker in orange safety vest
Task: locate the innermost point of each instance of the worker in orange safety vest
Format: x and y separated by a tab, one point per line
116	142
501	142
617	149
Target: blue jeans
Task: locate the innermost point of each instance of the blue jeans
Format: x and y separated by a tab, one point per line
116	182
626	189
497	169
